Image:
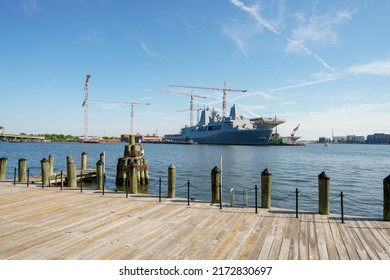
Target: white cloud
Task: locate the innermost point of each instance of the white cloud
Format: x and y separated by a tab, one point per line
378	67
149	52
255	13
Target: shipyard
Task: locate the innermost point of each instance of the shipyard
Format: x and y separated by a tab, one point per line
194	138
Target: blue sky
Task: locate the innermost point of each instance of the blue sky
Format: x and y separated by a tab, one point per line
321	64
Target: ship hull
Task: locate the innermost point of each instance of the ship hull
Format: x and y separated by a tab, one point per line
253	137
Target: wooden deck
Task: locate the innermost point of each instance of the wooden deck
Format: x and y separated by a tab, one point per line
44	224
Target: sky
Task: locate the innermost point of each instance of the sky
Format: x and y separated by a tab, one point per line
324	64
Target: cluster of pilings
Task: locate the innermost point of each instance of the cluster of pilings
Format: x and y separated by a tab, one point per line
132	169
48	177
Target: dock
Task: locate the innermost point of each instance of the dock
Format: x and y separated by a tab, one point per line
55	179
47	223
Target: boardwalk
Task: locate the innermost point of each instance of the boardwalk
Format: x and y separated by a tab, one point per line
48	223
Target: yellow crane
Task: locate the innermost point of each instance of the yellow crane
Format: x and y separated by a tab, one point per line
224	89
132	109
192	95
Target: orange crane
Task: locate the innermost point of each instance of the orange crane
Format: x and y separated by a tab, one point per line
192	94
224	89
132	109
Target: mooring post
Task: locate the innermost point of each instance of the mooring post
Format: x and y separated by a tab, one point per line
133	177
83	161
215	183
45	170
296	202
220	195
3	168
256	198
266	188
132	139
71	167
22	170
386	198
99	175
171	181
51	164
323	193
159	190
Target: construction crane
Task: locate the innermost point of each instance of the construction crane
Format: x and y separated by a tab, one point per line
195	109
224	89
191	101
132	109
294	131
85	105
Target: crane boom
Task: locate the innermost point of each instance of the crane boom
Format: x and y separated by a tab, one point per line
85	105
125	102
192	95
224	89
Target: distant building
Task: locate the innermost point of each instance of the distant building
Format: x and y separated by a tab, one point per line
323	140
378	138
355	139
141	138
339	139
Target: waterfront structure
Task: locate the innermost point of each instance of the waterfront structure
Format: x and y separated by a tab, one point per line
232	130
323	140
355	139
378	138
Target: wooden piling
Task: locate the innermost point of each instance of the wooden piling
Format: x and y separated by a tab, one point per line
132	139
83	161
171	181
71	174
3	168
22	170
323	193
266	189
45	172
215	182
147	178
103	157
133	177
51	164
386	198
99	175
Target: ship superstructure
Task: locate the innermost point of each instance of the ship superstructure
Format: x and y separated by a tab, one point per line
231	130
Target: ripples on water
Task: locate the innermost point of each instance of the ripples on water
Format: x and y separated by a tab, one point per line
357	170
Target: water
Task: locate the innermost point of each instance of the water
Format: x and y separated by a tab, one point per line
357	170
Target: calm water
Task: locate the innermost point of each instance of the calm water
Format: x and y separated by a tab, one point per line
357	170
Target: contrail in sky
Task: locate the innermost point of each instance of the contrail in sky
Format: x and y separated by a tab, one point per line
253	12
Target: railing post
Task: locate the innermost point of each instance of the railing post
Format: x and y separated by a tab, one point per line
14	176
127	187
220	195
386	198
81	181
159	189
256	198
342	207
62	179
188	192
28	177
296	203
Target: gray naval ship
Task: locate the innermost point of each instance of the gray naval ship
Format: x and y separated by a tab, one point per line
231	130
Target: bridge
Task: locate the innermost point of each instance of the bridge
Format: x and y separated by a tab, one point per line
21	138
